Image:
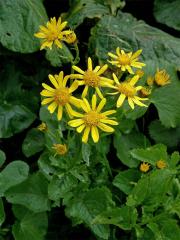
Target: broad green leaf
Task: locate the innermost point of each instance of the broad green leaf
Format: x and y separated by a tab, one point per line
13	174
126	32
18	35
81	9
167	136
151	189
125	217
125	143
151	154
29	225
114	5
2	213
175	157
126	180
14	119
2	157
33	143
167	12
87	206
59	56
32	193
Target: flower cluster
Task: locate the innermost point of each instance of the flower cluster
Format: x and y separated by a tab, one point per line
86	113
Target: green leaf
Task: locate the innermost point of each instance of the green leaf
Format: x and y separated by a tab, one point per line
33	143
14	119
167	136
80	9
59	56
126	32
167	12
151	189
175	157
125	217
151	154
29	225
86	153
2	213
125	143
126	180
88	205
13	174
18	35
2	157
32	193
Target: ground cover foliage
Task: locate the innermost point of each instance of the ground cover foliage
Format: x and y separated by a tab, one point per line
58	183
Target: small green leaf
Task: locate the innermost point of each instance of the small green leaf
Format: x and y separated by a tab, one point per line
167	12
2	157
2	213
18	35
32	193
29	225
13	174
33	143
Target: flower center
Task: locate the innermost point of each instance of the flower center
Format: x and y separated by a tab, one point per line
61	96
92	118
124	59
91	78
126	89
52	35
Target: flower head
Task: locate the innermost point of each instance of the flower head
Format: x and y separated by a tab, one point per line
161	77
60	96
92	78
145	91
92	119
127	90
42	127
161	164
144	167
70	38
126	60
150	80
140	73
60	149
52	33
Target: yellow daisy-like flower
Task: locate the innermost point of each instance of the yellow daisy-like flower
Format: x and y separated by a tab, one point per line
161	164
52	33
60	149
161	77
92	78
144	167
125	61
127	90
60	96
42	127
92	119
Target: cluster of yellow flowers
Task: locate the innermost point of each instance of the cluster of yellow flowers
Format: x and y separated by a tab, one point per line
145	167
90	117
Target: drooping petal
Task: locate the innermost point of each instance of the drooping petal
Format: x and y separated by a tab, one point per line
86	135
52	107
95	134
77	69
121	100
60	112
101	105
53	80
105	128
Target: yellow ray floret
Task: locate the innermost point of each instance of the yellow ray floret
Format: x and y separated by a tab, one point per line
93	119
60	96
91	78
125	61
161	77
128	90
53	33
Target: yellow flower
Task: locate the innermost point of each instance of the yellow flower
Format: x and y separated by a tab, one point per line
126	60
161	77
150	81
145	91
52	33
60	96
144	167
70	38
92	119
161	164
140	73
42	127
60	149
127	89
92	78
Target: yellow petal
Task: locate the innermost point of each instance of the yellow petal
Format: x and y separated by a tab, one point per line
73	87
105	128
96	69
58	43
64	82
89	64
60	112
138	64
99	93
46	101
52	107
80	128
77	76
129	69
77	69
46	44
62	26
85	91
121	100
102	70
109	112
53	81
134	80
87	104
118	51
131	104
40	35
76	122
86	135
48	87
109	121
116	79
75	101
101	105
95	134
46	93
112	55
136	101
136	54
72	112
93	102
